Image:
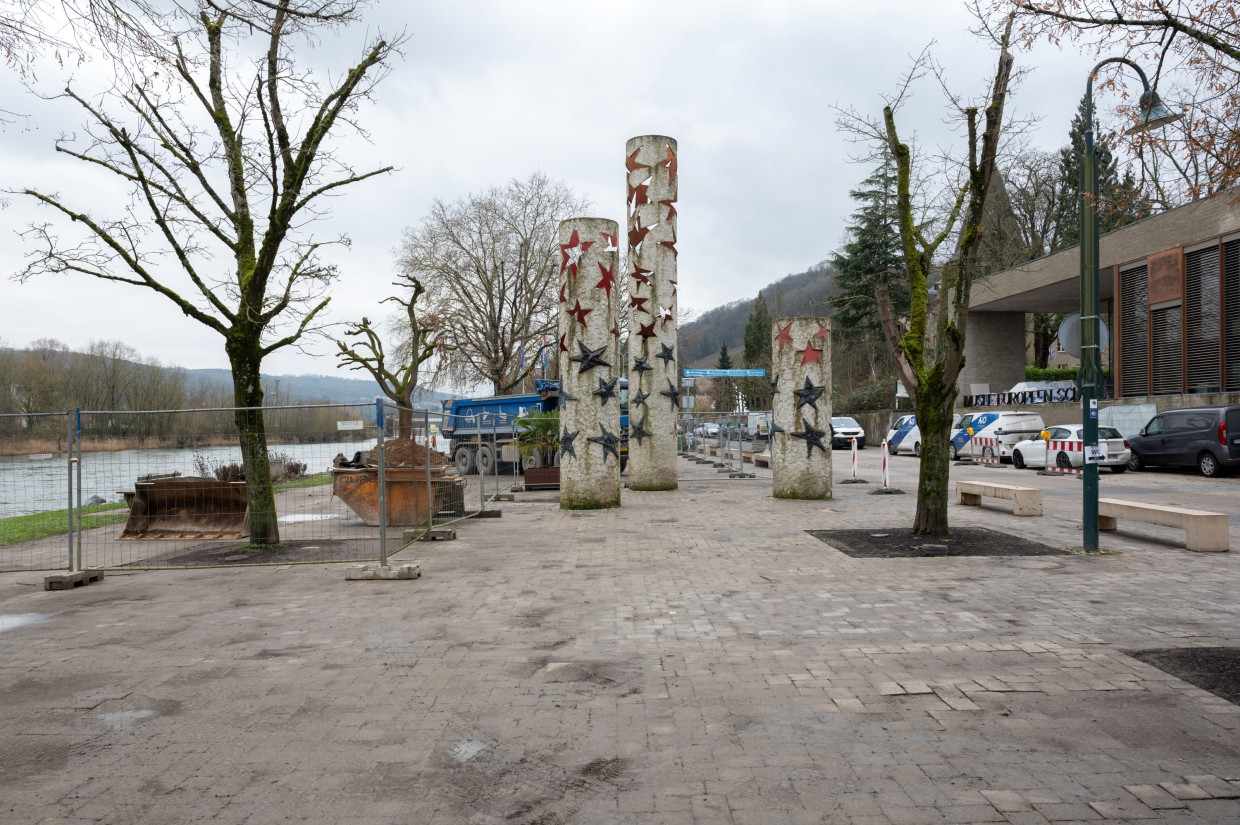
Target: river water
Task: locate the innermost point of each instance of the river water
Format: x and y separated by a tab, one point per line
32	485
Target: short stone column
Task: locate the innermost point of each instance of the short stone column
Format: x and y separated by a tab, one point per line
590	369
654	382
801	401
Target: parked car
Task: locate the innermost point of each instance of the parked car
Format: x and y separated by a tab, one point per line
707	429
1007	426
1037	452
905	436
844	430
1205	437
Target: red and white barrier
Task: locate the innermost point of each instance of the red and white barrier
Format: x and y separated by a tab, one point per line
1054	448
854	458
885	454
980	443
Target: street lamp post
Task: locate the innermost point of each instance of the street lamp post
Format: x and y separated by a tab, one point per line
1089	379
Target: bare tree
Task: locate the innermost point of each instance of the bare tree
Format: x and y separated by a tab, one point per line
1194	47
228	170
397	373
490	263
928	344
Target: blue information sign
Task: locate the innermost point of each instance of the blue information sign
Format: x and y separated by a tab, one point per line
725	373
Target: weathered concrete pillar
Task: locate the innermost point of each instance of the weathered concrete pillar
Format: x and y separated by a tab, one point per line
590	369
654	383
801	383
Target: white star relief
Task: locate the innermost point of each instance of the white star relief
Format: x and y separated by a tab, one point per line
574	254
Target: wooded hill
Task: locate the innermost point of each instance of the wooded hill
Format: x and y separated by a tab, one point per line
804	293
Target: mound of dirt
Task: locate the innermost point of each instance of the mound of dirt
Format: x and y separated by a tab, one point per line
405	452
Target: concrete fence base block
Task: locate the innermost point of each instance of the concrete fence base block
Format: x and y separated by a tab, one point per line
886	491
68	581
853	481
376	572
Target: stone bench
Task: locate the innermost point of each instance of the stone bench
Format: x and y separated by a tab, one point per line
761	460
1205	532
1026	501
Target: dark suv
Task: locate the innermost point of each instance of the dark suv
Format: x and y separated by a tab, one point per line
1205	437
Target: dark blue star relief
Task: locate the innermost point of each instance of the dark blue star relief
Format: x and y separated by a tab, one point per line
608	441
606	391
672	393
589	358
775	385
665	353
639	400
775	428
638	431
809	394
640	365
566	443
565	395
812	437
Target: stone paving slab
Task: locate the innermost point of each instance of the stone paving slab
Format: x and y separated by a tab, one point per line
693	657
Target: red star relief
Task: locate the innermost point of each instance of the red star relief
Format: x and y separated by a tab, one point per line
784	337
608	279
632	164
670	163
610	240
640	275
615	330
822	332
671	245
579	313
809	355
671	208
638	304
571	252
562	288
646	330
638	195
563	346
637	235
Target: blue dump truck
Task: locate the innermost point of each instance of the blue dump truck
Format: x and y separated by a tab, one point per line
481	432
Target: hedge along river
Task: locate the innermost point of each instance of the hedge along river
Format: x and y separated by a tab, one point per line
34	485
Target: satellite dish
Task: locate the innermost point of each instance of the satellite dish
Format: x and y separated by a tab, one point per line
1070	334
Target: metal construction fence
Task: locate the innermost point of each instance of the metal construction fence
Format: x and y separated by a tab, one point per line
737	441
167	488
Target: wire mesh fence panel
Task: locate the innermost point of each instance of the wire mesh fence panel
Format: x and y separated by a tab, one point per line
35	497
186	495
737	440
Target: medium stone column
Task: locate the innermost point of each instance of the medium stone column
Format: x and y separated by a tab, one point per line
590	369
654	382
801	400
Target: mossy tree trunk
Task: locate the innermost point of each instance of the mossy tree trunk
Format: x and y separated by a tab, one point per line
245	358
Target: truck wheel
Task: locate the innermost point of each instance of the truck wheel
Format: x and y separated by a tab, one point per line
486	459
463	458
533	461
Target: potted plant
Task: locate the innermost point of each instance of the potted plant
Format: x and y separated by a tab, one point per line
538	440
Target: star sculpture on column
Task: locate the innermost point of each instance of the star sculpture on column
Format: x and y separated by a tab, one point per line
631	162
608	280
590	358
822	332
673	283
566	443
640	365
665	314
646	330
784	337
571	252
615	331
812	438
672	393
671	208
670	163
775	385
579	312
638	234
666	354
608	441
809	355
606	391
563	299
610	241
809	394
671	245
639	400
775	428
566	396
638	194
641	276
638	431
638	304
563	346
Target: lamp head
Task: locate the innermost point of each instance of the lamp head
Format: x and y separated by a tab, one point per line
1154	114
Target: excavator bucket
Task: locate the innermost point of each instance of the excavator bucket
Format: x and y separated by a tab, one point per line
187	508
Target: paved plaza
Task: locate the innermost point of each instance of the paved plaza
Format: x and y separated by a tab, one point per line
693	657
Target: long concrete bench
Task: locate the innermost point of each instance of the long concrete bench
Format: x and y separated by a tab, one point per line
1026	501
1204	532
761	460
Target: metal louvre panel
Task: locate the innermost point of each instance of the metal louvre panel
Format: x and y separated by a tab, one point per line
1203	305
1231	298
1134	332
1167	335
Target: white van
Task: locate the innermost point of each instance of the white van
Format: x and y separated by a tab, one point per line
1007	427
905	436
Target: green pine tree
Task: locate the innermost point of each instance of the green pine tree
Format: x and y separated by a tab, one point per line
871	256
757	355
725	360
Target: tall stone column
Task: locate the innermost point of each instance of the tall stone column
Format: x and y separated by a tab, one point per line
654	382
590	369
801	401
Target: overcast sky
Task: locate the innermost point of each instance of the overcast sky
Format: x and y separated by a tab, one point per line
489	90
